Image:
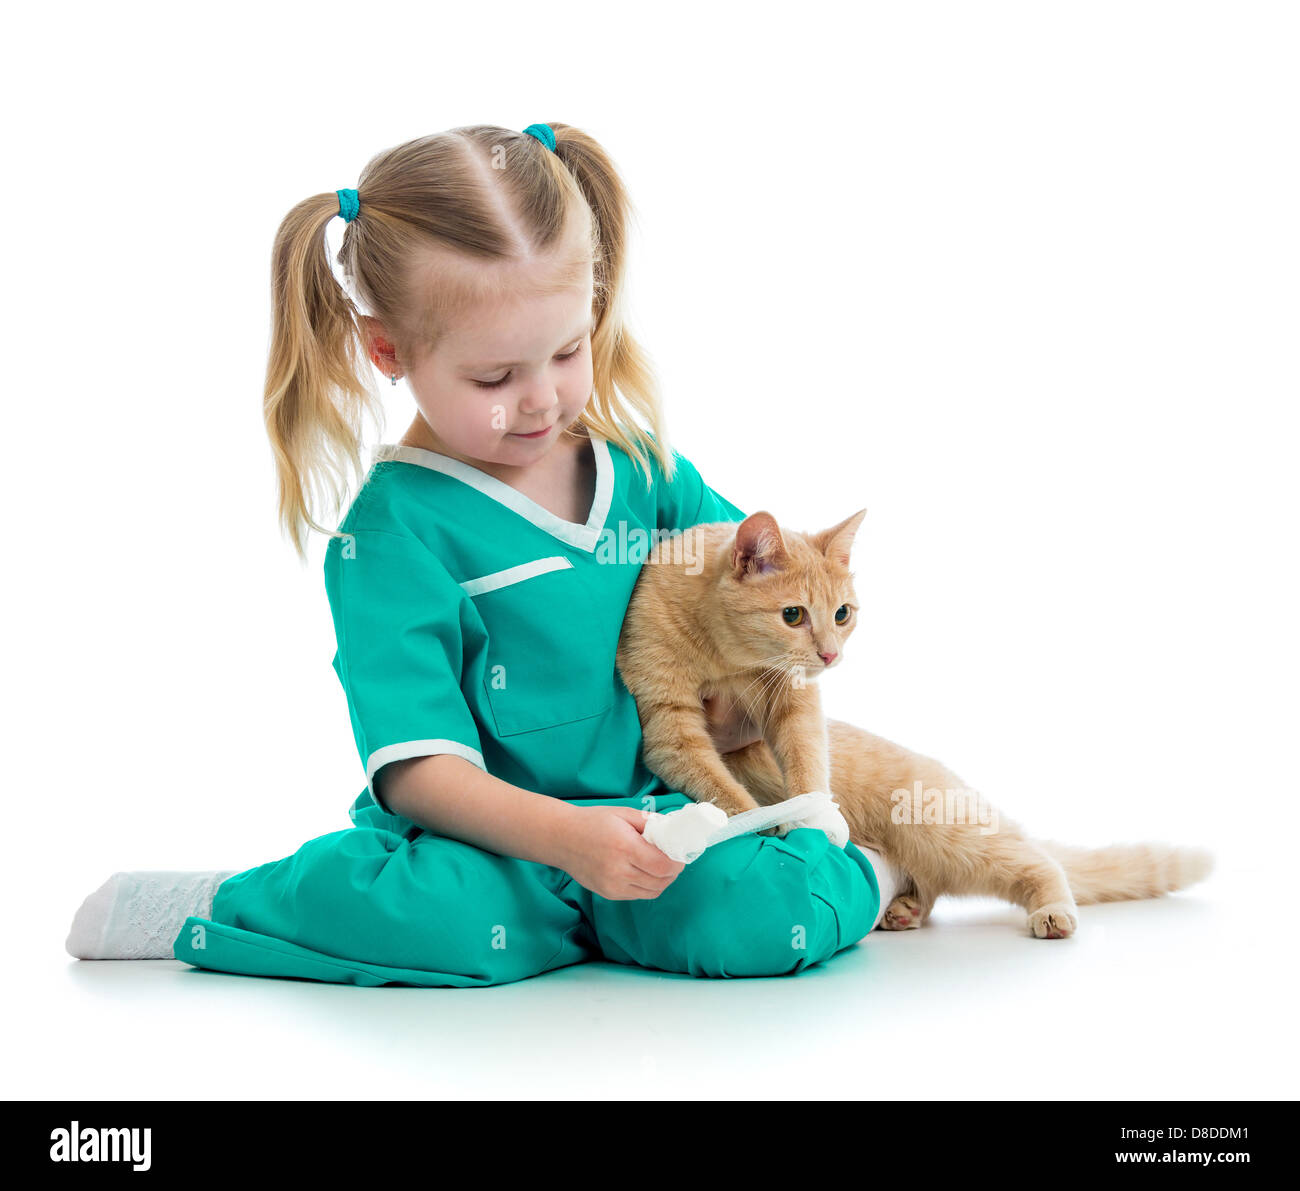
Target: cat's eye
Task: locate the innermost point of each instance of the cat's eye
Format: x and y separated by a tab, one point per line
841	614
793	616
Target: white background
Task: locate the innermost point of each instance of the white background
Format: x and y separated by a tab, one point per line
1018	277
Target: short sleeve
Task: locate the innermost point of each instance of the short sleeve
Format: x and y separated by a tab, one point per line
687	500
397	620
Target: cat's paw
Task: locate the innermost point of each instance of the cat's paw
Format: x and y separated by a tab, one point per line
827	819
786	828
904	913
1056	920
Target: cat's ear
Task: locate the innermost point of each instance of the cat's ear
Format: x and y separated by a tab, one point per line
759	546
837	542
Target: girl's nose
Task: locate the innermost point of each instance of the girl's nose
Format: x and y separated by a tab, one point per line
539	401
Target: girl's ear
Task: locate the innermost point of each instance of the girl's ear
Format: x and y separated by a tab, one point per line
837	542
759	546
379	345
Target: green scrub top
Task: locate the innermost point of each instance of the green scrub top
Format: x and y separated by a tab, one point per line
472	621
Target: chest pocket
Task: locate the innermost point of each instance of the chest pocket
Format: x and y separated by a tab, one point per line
550	660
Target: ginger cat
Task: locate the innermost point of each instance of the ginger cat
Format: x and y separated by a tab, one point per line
755	614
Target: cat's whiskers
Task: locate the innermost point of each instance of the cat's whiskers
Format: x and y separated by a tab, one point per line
767	677
777	677
780	659
761	665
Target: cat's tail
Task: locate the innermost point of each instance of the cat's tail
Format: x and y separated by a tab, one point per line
1128	871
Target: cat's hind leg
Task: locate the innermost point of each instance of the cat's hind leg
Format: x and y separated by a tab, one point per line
1021	872
1056	920
904	913
909	909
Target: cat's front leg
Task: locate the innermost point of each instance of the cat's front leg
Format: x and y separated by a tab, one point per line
796	734
676	745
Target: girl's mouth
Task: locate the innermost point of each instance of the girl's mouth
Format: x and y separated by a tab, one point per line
535	433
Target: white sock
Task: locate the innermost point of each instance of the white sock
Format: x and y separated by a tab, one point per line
888	878
139	915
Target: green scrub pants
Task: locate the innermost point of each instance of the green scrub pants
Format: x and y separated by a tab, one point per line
387	902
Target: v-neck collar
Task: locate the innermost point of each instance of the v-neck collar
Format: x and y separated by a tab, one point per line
584	537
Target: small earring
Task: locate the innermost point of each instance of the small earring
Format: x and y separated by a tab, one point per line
394	378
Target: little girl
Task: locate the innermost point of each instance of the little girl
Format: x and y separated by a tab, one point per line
478	584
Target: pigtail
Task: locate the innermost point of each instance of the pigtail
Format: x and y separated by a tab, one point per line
315	397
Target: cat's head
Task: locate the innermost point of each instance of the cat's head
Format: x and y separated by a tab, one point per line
788	598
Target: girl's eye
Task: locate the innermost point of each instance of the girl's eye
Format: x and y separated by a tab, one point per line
793	616
841	614
496	384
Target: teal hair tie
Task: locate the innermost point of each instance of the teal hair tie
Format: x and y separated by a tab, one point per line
543	133
349	204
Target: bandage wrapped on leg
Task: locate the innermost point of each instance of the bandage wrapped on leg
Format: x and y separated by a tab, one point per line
684	834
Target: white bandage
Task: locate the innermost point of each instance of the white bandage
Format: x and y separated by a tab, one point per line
825	816
684	834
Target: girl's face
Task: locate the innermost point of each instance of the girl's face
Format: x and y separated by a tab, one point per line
505	380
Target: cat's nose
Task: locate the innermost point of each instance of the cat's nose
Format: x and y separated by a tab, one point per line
828	658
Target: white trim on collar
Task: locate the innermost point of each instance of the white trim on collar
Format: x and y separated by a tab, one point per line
584	537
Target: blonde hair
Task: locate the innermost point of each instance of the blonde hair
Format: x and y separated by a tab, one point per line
432	212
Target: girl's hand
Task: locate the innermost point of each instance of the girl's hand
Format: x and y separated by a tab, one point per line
729	726
606	852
